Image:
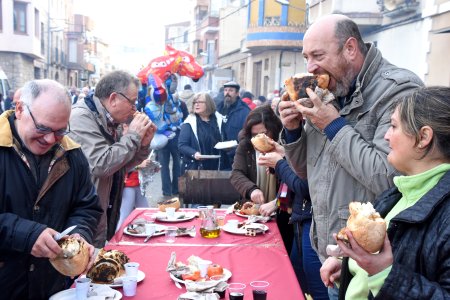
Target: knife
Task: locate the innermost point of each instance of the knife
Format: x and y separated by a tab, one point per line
58	236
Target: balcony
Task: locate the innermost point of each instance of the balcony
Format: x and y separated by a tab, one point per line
274	36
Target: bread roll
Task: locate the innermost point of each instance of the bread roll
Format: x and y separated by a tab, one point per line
74	258
249	208
174	202
261	143
366	226
108	266
296	85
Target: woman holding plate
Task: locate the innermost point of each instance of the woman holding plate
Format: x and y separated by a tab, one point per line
200	132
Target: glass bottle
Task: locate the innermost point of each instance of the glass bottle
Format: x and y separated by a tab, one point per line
209	228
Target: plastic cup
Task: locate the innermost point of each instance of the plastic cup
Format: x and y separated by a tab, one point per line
203	267
236	291
233	224
129	285
220	220
82	286
171	233
259	289
150	228
131	269
170	213
150	217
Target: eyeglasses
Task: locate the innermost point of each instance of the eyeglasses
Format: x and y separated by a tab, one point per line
195	102
132	102
47	130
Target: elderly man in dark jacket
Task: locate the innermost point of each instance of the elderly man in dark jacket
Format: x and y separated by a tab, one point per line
45	187
235	112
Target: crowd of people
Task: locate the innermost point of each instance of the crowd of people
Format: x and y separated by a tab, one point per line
71	158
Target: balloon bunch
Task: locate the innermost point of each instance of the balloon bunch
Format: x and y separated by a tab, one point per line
161	68
159	83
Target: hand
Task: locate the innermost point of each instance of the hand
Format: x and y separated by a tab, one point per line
268	208
257	196
45	245
320	114
371	263
197	156
330	271
149	134
91	251
290	116
269	159
144	163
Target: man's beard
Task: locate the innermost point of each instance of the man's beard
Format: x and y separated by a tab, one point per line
344	84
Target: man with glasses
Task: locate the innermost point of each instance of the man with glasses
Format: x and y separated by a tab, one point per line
94	124
45	187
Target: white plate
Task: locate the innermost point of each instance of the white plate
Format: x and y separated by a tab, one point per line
118	281
70	294
179	217
159	231
207	156
243	229
226	275
226	145
237	213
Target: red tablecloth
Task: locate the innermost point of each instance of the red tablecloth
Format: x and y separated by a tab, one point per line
248	258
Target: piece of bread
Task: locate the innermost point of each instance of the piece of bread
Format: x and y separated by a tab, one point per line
261	143
249	208
366	226
74	258
108	266
174	202
296	85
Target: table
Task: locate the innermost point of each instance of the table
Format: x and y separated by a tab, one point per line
248	258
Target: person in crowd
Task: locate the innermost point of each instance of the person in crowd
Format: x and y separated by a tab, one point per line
414	262
17	95
199	134
9	100
94	123
219	97
187	96
2	104
251	181
341	145
45	188
235	112
132	196
247	98
304	259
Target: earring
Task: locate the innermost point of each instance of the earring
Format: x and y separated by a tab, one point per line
420	146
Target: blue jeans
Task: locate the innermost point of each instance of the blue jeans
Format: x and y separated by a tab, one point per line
170	186
306	263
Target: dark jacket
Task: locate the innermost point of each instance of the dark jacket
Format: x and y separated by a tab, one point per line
66	198
301	206
233	122
243	174
420	239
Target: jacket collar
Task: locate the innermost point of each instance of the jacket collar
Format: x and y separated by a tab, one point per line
425	206
6	136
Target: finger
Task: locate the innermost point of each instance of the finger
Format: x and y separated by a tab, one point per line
314	98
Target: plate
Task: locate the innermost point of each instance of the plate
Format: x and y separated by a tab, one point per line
70	294
226	275
237	213
207	156
226	145
243	229
159	231
179	217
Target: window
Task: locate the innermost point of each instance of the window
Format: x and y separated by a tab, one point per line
36	23
266	64
20	17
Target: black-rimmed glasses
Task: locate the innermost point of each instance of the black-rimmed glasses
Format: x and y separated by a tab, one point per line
132	102
47	130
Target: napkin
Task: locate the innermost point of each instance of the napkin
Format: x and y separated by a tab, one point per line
254	219
98	291
190	231
198	296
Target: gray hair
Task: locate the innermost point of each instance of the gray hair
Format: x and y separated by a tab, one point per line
116	81
428	106
32	89
345	29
